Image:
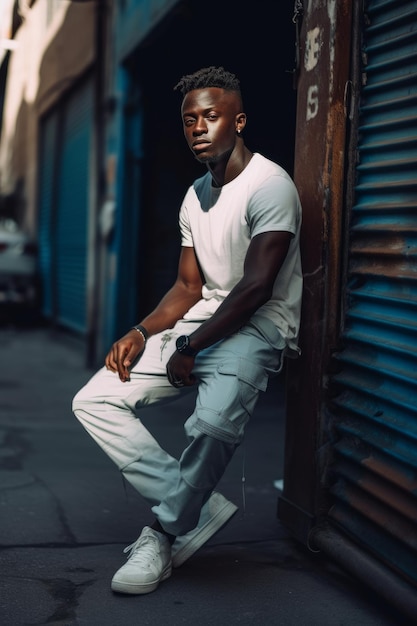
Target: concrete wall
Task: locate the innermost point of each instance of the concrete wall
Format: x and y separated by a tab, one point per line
52	51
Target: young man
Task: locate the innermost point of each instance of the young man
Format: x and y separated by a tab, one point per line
225	326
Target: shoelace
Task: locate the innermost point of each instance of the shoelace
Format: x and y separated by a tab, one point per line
146	544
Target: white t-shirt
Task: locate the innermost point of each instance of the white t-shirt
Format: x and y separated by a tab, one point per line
220	223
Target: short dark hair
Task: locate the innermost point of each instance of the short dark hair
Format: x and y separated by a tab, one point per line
208	77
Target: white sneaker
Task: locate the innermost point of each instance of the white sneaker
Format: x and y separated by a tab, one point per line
149	562
214	514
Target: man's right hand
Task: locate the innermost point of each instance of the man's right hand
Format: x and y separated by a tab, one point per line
123	353
185	292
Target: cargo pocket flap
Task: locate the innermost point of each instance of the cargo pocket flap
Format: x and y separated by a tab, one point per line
246	371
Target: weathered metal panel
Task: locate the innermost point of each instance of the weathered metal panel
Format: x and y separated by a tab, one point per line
375	403
322	83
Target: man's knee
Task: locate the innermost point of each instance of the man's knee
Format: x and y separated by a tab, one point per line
78	407
81	398
86	403
95	392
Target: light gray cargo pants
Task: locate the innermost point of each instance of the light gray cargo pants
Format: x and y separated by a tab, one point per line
230	375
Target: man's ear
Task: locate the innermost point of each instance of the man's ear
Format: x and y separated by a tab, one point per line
240	122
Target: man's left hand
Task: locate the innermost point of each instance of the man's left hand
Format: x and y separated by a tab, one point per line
179	370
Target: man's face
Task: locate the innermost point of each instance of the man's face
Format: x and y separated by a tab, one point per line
210	122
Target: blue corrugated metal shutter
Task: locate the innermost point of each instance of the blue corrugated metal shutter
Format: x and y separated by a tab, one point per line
63	201
72	216
375	406
47	173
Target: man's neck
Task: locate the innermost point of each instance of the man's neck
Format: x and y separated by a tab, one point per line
224	172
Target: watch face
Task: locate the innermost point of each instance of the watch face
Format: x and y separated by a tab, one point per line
182	343
183	346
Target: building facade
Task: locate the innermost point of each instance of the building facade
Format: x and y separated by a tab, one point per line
92	135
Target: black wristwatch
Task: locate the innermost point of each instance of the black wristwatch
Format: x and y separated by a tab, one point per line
183	346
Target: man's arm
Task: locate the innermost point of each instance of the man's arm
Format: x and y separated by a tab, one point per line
185	292
264	258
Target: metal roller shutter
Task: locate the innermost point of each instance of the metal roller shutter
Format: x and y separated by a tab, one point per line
64	173
374	409
72	215
47	173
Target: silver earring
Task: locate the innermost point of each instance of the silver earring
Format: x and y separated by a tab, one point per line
238	131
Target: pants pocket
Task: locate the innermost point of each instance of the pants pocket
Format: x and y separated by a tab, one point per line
226	402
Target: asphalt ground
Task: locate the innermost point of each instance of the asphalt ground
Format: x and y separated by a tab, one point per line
66	515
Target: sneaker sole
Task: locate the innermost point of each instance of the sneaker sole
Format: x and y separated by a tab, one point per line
139	589
213	526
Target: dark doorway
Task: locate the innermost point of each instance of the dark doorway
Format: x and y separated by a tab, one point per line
259	47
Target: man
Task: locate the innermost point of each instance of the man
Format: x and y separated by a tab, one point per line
225	326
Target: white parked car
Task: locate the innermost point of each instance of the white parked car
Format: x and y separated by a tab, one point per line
18	267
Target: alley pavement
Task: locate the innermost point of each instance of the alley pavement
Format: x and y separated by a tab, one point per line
66	515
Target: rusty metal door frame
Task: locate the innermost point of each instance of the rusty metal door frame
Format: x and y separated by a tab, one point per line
323	84
325	175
